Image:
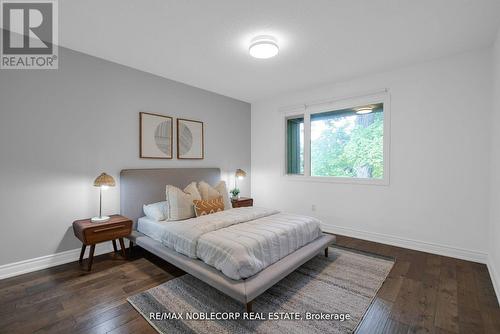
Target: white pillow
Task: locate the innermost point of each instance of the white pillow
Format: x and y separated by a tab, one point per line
208	192
180	202
156	211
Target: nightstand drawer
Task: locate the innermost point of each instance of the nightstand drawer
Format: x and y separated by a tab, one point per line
95	234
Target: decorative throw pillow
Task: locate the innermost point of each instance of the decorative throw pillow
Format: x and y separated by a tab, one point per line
156	211
208	192
180	202
206	207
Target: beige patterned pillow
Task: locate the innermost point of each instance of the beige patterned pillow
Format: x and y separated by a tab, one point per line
206	207
209	192
180	202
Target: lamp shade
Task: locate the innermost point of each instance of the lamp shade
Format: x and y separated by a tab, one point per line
104	180
240	173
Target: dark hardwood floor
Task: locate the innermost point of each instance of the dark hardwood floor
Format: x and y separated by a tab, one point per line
424	293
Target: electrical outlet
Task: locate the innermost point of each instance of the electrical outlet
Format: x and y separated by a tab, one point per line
313	207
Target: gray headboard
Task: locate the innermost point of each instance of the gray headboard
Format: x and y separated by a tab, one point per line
145	186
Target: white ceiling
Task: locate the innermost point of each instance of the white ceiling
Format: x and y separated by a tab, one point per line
205	43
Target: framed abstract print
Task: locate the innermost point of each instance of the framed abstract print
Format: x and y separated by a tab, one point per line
156	134
190	139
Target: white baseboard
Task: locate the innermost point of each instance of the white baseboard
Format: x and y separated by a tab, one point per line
47	261
43	262
495	277
445	250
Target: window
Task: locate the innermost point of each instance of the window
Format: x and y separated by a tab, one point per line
295	145
339	142
347	144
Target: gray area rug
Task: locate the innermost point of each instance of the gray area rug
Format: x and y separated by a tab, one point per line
343	284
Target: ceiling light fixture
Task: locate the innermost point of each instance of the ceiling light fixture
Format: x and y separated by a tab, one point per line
364	110
263	47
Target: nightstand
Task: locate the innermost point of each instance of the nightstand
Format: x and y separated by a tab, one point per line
241	202
90	234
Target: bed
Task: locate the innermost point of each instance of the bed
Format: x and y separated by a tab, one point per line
144	186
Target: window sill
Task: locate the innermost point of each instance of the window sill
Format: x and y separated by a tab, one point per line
341	180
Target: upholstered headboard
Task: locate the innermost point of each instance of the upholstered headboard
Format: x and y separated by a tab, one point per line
145	186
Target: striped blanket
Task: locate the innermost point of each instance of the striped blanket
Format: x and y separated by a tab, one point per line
243	241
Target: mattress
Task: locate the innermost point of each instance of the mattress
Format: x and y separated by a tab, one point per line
240	242
152	228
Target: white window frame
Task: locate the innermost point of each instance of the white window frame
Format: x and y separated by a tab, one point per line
305	110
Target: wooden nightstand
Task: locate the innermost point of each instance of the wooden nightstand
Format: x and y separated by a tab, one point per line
91	234
241	202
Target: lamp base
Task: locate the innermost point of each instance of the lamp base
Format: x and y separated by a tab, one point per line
101	219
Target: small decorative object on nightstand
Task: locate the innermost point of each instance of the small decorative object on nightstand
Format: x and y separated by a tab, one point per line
241	202
90	234
235	193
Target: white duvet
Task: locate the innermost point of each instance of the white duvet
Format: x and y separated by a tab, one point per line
241	242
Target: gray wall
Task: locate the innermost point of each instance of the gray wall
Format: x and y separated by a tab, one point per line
60	128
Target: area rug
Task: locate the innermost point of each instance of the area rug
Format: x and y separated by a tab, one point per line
325	295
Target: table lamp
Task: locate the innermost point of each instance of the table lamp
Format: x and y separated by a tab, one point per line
239	175
103	181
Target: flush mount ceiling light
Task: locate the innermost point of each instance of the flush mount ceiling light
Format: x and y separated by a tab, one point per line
364	110
263	47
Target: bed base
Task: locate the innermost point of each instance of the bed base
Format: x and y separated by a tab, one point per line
246	290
